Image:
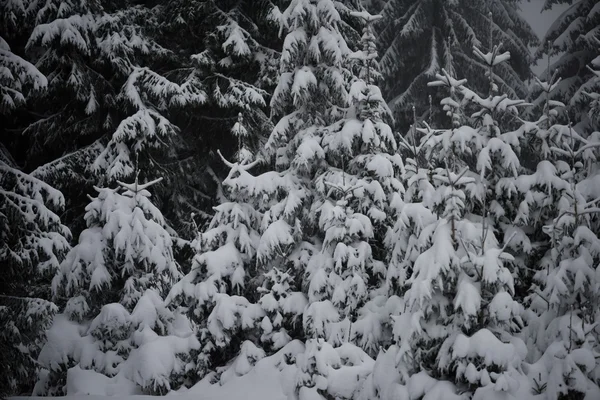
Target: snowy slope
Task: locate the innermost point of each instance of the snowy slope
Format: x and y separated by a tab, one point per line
263	382
259	384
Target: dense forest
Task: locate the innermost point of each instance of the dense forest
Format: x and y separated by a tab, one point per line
371	199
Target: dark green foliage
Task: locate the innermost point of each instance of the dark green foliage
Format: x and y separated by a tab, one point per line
417	38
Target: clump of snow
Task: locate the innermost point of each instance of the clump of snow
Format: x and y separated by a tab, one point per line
89	382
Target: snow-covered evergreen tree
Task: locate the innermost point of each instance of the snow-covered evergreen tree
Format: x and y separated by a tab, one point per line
100	58
335	154
217	290
417	38
355	192
125	250
561	340
146	129
232	49
457	329
71	42
310	95
114	281
33	242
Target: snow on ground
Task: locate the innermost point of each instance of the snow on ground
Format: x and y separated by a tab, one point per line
256	385
263	382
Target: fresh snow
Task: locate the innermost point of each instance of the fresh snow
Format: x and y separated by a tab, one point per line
328	255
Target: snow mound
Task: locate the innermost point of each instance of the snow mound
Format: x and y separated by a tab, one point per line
87	382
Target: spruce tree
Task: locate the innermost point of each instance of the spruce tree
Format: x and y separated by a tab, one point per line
457	329
356	189
335	156
100	57
114	281
562	342
33	242
310	95
563	292
217	290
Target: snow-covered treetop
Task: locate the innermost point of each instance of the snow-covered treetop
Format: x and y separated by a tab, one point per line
239	131
125	249
450	104
312	77
367	56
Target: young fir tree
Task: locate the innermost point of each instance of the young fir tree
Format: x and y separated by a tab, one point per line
337	173
417	38
563	295
562	341
355	189
113	282
457	331
217	290
311	91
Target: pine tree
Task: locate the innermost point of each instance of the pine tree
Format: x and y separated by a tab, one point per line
113	282
418	38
